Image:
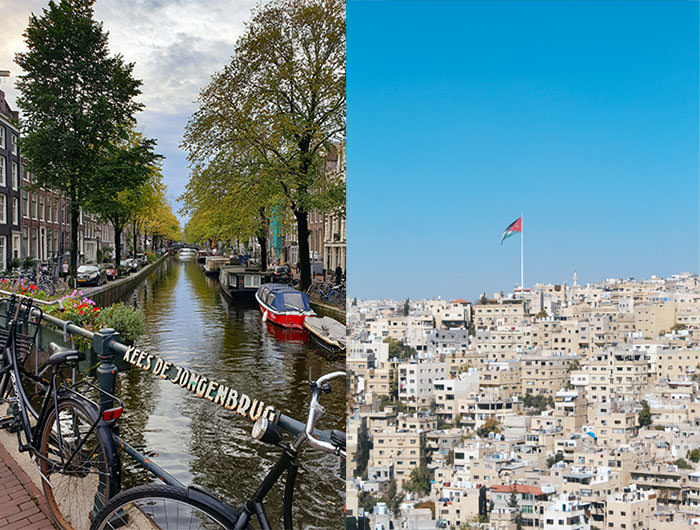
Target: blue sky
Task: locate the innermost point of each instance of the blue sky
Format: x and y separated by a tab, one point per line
583	116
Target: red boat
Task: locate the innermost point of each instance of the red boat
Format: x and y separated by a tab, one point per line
283	305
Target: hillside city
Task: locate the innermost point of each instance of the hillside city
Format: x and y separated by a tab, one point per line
568	407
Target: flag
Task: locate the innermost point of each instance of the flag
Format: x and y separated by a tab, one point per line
515	226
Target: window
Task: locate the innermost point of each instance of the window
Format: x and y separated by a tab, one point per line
3	208
48	209
33	205
25	238
55	210
3	251
15	176
2	137
3	168
13	147
16	242
25	203
15	211
41	207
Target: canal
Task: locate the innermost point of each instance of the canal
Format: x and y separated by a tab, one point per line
189	323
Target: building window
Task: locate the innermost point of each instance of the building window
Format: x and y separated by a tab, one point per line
16	242
15	150
25	203
15	211
2	137
41	207
3	251
25	238
33	205
55	210
15	176
3	208
3	169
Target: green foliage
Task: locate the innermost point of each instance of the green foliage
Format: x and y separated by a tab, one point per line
537	402
694	455
419	480
75	100
28	262
489	426
553	459
541	314
268	119
406	307
367	501
644	417
128	321
400	350
678	327
682	464
393	497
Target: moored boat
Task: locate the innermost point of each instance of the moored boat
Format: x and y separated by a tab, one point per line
327	332
213	264
237	282
283	305
202	255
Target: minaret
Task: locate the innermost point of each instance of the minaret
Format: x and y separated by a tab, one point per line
575	284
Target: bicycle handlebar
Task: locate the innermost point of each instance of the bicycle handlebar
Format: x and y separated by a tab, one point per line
34	300
316	410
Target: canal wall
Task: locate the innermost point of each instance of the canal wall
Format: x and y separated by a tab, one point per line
112	292
327	310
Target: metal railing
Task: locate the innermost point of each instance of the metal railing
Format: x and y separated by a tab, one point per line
106	345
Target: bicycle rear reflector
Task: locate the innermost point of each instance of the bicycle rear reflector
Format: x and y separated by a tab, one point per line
112	414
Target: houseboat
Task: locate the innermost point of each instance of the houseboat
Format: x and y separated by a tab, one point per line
326	332
202	255
283	305
212	264
238	282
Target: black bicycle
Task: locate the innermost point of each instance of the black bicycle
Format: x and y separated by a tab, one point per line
163	507
69	437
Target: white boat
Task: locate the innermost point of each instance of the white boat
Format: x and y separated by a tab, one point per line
327	332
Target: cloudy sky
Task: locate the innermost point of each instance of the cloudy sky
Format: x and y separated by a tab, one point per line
176	46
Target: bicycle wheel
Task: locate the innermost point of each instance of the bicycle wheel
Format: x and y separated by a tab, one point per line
60	286
158	506
334	297
47	287
85	485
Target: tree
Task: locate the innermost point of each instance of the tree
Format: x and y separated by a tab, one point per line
553	459
541	314
682	464
644	417
133	161
694	455
513	503
678	327
281	101
419	480
489	426
76	100
406	308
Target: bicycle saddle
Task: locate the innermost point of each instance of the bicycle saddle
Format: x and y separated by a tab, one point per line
61	355
338	439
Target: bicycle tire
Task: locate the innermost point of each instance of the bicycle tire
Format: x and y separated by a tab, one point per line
60	286
335	298
158	506
47	287
89	477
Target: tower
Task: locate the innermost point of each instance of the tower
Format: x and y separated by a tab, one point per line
575	284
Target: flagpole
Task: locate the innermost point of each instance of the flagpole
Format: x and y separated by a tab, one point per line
522	267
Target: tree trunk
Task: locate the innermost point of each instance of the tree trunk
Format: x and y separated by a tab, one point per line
117	245
135	241
74	224
262	241
304	258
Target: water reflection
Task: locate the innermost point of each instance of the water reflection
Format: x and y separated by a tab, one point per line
189	323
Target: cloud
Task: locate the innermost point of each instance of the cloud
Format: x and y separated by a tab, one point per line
175	45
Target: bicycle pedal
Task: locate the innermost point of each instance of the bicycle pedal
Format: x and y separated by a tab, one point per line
9	423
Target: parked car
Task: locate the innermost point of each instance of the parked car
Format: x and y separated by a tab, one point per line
142	259
91	275
110	271
130	264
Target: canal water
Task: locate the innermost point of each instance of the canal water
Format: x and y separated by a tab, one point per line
191	324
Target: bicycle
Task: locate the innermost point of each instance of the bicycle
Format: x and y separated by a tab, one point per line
167	507
69	437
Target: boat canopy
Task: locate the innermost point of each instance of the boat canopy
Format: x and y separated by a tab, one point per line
283	298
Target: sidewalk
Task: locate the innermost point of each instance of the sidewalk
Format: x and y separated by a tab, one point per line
22	505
